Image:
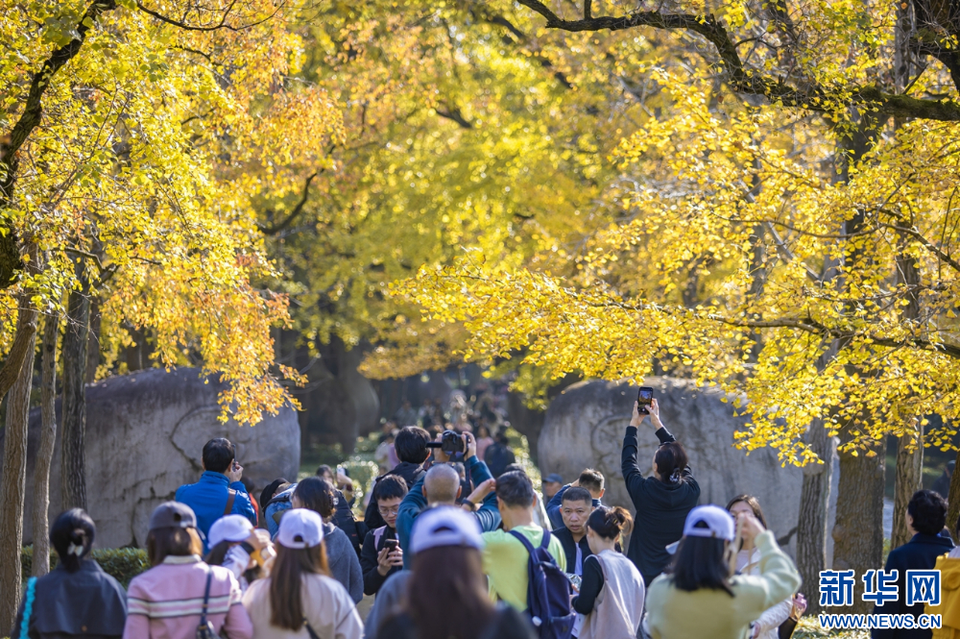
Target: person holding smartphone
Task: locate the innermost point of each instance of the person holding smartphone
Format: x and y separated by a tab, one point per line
663	498
381	555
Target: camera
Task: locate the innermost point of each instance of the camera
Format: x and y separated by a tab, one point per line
450	442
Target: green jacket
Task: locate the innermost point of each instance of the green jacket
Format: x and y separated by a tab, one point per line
677	614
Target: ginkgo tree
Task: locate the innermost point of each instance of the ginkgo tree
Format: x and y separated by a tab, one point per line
138	138
790	236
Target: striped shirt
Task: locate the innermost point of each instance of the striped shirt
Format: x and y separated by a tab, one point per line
166	601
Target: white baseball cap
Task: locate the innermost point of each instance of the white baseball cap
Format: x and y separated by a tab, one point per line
300	528
229	528
719	523
445	526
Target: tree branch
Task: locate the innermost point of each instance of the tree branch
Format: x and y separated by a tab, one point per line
455	116
221	25
273	229
814	98
10	261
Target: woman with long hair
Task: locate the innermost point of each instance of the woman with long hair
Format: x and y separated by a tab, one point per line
612	590
662	499
447	595
299	600
244	550
701	596
748	563
77	598
319	495
181	592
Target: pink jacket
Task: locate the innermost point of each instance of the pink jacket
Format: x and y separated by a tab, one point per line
166	601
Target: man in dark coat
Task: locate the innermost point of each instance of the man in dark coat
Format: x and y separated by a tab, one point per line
926	515
575	509
411	448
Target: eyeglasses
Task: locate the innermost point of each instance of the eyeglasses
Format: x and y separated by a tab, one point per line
389	511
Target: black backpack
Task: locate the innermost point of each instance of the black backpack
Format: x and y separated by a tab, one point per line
548	591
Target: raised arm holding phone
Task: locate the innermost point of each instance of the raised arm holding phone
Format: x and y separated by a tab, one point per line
663	498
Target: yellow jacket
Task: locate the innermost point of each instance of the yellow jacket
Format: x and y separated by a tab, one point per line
949	607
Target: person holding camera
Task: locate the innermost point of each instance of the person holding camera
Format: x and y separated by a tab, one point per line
381	555
441	485
411	448
219	491
245	551
662	499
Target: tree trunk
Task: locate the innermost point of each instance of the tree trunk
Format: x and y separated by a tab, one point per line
909	449
93	343
858	532
909	481
48	437
13	483
814	509
72	474
953	502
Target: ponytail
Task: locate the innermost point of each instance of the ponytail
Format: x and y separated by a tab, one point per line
72	536
610	523
671	459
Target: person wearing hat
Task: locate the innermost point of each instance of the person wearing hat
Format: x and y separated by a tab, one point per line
299	600
701	596
447	591
551	485
168	600
239	547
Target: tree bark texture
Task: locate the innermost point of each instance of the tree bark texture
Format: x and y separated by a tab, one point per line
75	340
13	483
953	502
814	510
858	531
909	481
93	343
48	437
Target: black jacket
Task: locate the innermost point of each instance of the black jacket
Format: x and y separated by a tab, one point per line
920	553
344	520
410	472
372	579
570	547
661	508
87	603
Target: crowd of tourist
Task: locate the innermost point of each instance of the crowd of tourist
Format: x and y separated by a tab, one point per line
451	550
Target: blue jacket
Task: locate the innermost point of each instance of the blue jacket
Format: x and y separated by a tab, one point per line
553	508
487	514
208	499
920	553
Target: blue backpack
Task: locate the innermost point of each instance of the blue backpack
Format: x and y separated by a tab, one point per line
548	591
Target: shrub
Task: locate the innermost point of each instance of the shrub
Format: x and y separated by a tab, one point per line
123	564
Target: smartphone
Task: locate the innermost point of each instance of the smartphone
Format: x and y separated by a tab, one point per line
644	399
391	545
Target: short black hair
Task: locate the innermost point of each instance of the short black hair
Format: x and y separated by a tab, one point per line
218	454
390	487
929	512
72	527
591	479
323	469
575	493
411	444
515	489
